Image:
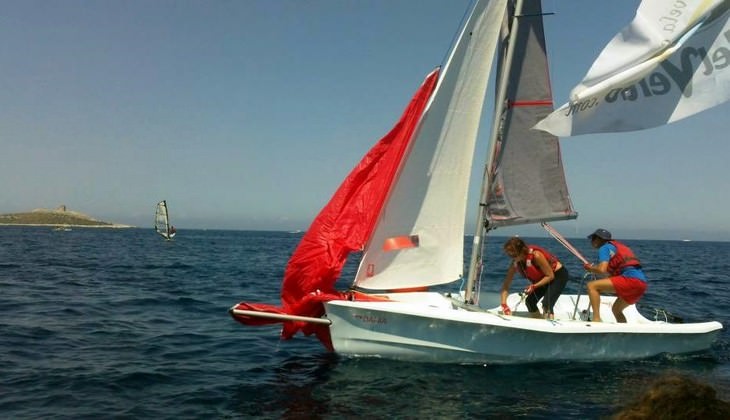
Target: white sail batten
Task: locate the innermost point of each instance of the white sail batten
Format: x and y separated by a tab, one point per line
419	238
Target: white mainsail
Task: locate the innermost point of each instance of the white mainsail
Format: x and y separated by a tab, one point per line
419	238
672	61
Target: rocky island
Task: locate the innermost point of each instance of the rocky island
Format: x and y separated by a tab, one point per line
58	217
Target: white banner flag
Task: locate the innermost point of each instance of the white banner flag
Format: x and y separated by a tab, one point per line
670	62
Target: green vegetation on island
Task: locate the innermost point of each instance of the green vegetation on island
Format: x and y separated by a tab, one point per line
58	217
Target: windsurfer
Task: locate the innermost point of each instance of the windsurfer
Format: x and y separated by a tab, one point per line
622	272
546	274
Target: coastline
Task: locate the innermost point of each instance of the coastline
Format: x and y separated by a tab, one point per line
61	217
111	226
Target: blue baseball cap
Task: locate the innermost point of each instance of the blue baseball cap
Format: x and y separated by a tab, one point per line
601	233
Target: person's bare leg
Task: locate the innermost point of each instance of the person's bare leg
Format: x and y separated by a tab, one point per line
618	309
595	288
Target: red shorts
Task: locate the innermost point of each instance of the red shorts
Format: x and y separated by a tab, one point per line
628	288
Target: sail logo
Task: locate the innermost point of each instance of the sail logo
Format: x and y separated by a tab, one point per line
669	22
692	60
668	64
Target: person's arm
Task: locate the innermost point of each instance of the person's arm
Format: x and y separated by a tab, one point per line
600	269
544	266
507	283
505	288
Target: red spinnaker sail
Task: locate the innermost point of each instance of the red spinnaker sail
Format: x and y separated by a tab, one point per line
342	226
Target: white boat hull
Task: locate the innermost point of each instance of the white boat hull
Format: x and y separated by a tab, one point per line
427	326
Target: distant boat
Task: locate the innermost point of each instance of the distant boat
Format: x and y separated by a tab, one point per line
61	229
162	221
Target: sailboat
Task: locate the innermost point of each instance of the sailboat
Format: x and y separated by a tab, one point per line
162	221
404	208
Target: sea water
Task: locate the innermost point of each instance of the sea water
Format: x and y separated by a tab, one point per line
118	323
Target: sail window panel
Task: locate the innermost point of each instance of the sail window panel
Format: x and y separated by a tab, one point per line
400	242
427	264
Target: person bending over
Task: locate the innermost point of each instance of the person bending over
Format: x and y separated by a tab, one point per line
546	274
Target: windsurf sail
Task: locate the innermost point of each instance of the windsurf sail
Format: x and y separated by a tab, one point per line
162	221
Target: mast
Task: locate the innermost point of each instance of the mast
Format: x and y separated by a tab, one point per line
167	219
481	227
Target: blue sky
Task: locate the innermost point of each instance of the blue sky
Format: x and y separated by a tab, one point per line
247	114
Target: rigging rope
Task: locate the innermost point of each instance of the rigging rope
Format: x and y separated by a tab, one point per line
558	237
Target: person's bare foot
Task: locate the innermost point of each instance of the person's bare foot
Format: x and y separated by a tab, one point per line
596	319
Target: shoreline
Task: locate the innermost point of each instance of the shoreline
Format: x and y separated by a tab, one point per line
112	226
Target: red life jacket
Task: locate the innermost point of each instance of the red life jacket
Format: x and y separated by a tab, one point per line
623	258
531	271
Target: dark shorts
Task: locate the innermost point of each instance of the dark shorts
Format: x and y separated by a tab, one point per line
551	292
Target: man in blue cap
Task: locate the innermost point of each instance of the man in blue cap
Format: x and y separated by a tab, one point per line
621	272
